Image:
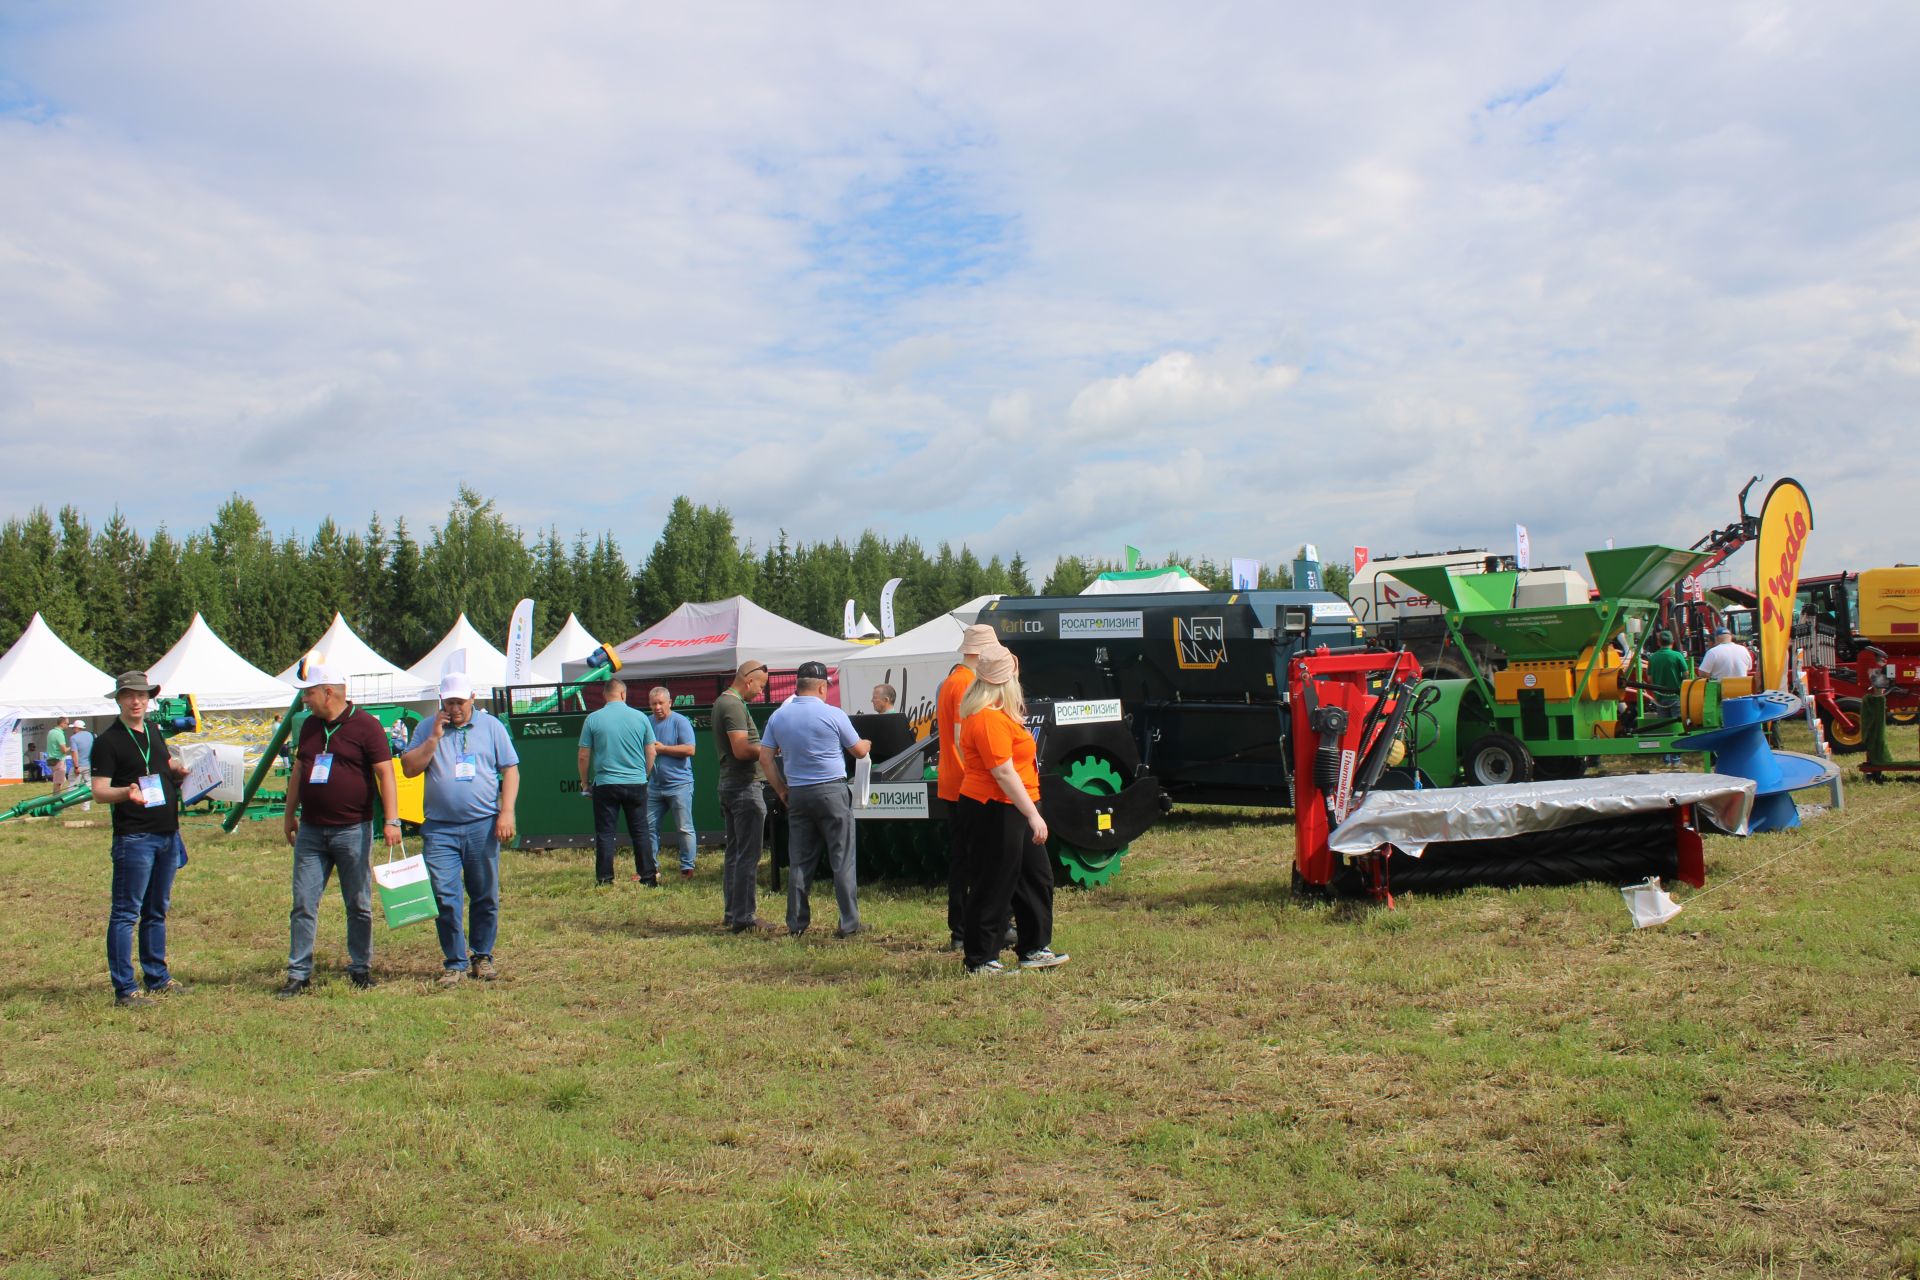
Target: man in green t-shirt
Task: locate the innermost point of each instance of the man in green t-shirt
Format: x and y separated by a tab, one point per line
737	740
1667	669
57	757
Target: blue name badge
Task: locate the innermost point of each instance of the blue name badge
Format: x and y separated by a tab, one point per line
153	792
322	769
466	768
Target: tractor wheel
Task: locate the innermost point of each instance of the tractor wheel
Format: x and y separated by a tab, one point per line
1448	666
1559	768
1094	774
1846	741
1497	758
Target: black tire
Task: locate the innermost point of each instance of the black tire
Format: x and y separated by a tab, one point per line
1448	666
1494	759
1837	738
1559	768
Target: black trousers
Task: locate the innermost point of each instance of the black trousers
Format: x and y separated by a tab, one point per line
610	801
1006	873
956	873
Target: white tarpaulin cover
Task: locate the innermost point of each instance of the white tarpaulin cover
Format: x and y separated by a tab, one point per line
202	664
1142	582
41	678
1412	820
573	644
913	662
485	664
370	677
700	639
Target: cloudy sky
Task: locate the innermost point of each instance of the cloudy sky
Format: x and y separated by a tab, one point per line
1055	278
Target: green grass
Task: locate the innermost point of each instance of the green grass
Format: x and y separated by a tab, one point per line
1224	1082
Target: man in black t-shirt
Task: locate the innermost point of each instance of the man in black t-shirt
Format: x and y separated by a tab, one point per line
133	772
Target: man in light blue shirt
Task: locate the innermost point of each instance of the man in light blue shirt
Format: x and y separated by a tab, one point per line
670	792
802	751
473	778
616	755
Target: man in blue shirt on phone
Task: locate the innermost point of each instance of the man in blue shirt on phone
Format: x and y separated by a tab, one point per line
473	778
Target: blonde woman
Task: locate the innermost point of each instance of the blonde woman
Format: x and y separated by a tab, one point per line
1007	863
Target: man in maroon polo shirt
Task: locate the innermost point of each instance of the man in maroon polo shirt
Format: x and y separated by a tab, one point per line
342	755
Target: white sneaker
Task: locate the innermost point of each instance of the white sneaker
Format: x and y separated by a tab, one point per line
1044	958
991	969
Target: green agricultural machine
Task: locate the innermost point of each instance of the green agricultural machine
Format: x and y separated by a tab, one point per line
1566	694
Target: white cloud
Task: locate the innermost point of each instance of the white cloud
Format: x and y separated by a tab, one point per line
1176	388
1396	280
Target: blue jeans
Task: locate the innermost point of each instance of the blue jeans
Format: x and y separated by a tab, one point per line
143	867
464	856
317	853
680	802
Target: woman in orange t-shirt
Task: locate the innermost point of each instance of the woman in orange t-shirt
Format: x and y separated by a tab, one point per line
1007	863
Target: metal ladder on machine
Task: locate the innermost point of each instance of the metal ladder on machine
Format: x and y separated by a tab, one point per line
1799	681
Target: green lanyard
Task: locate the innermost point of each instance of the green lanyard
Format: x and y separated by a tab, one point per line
327	733
464	730
145	744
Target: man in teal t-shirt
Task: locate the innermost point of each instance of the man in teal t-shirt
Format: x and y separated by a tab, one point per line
616	755
1667	670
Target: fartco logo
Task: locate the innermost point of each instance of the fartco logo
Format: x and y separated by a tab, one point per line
1200	644
1022	626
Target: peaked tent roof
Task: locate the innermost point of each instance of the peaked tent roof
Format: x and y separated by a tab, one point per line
40	677
202	664
1142	582
863	628
717	636
572	644
913	662
370	677
486	664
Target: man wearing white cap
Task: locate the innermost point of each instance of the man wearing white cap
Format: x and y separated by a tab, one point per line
473	778
341	757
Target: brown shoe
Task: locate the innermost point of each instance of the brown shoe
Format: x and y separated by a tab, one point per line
483	969
452	977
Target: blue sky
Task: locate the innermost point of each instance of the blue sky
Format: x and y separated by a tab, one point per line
1059	278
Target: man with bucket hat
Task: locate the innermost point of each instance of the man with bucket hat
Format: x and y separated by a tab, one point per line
134	772
342	756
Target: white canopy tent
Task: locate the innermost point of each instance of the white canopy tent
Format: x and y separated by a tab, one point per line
485	664
914	662
202	664
715	637
1140	582
370	677
573	643
41	678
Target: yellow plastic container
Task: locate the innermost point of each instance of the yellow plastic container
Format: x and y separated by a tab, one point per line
1890	605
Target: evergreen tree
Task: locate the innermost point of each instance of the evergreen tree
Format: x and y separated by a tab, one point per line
166	606
116	600
556	591
1018	583
1070	577
475	564
697	558
605	593
402	625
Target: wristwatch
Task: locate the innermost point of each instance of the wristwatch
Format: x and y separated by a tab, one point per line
393	822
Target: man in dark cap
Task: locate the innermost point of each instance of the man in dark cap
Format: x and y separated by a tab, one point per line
802	753
133	772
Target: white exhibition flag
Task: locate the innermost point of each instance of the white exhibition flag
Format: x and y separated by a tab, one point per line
1246	574
886	607
848	624
1523	548
520	645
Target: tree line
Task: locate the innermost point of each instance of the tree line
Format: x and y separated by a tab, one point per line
121	599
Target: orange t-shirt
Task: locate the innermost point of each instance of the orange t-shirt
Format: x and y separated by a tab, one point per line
992	737
946	723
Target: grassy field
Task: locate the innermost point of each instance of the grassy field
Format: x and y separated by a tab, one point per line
1224	1082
